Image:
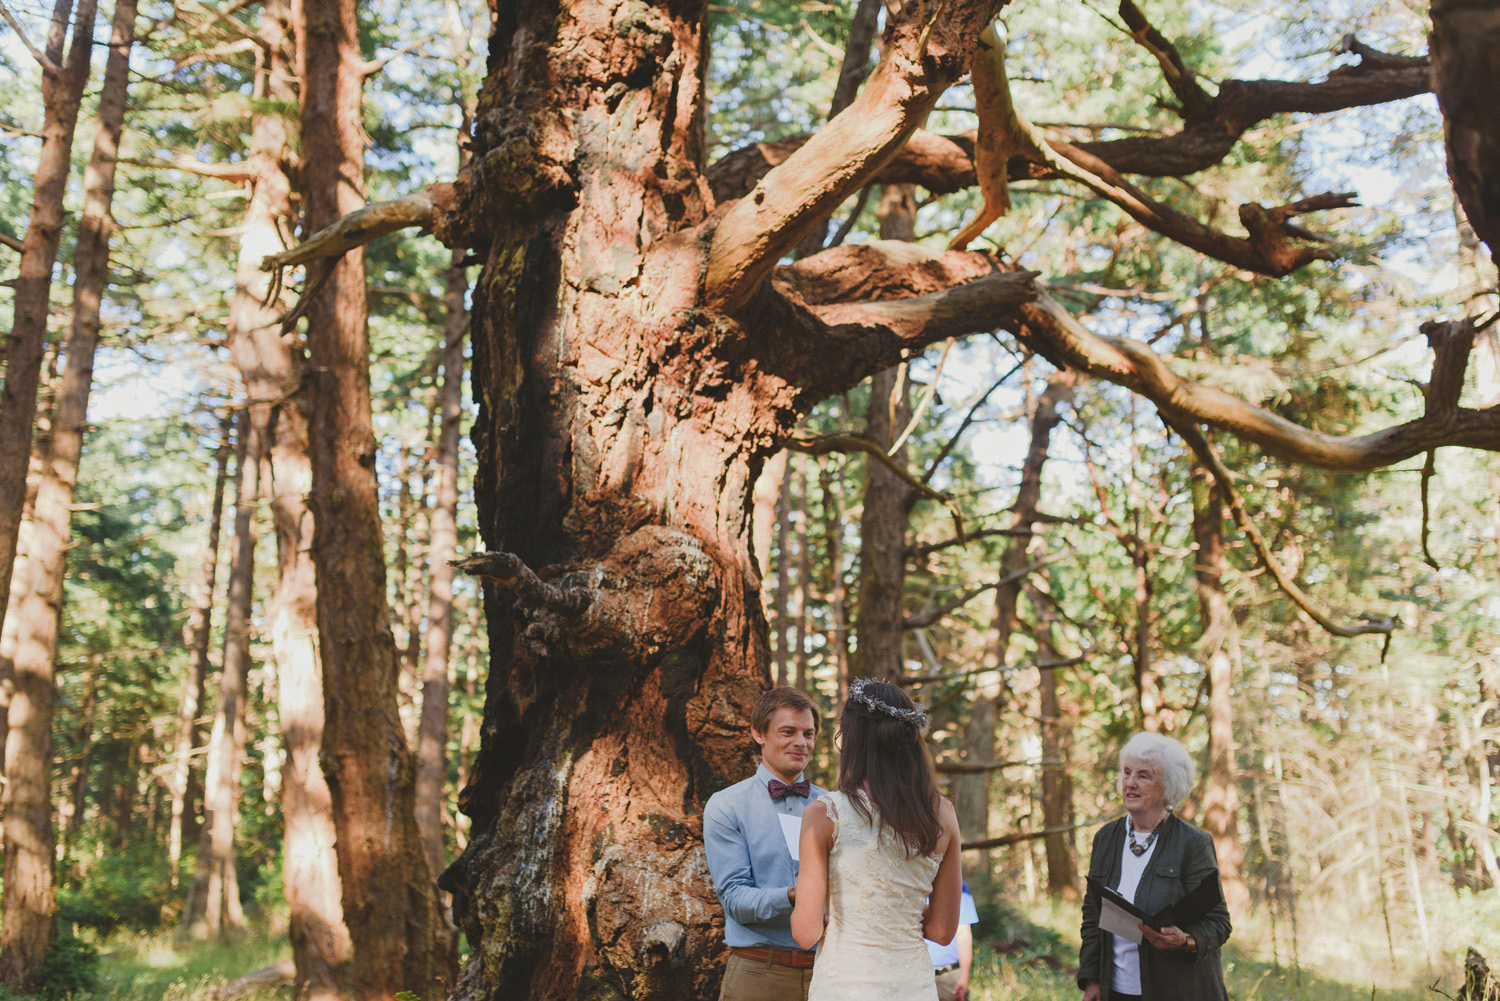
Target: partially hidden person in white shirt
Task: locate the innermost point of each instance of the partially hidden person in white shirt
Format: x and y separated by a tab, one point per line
749	849
952	963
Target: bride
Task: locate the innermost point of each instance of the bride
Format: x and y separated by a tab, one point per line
880	855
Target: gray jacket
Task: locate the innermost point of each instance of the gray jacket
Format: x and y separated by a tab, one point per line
1184	857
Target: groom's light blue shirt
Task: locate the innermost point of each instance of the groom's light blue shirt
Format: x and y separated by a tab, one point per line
750	862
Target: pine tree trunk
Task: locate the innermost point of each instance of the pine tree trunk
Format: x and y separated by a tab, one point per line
188	732
1219	647
432	737
213	907
62	95
390	901
83	737
27	924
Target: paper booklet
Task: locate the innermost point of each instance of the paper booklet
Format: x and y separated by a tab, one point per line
1121	917
791	829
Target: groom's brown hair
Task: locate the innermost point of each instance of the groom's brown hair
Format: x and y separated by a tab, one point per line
782	697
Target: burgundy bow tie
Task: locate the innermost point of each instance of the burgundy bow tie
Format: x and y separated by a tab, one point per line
779	789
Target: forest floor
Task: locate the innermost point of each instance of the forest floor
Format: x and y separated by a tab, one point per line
1023	952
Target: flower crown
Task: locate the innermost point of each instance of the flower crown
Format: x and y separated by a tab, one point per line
916	716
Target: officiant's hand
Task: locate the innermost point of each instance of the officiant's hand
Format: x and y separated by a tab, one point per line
1091	992
1169	939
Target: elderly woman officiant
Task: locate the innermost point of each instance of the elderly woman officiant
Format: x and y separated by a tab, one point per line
1153	858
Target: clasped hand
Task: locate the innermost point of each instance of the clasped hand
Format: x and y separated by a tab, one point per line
1168	939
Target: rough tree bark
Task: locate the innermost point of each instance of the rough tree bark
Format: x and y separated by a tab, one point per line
62	95
27	907
189	732
390	900
635	370
1219	648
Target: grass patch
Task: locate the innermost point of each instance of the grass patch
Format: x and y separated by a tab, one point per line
161	967
1031	952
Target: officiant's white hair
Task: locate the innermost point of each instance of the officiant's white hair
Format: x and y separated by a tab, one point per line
1167	754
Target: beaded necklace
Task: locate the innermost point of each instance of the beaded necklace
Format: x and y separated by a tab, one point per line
1143	847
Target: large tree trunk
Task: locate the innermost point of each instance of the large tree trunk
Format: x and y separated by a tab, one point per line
390	900
1219	648
62	94
27	924
213	906
634	376
189	733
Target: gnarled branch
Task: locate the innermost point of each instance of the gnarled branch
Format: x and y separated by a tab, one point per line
930	616
532	593
921	59
1182	80
419	209
823	444
945	163
1206	454
1053	332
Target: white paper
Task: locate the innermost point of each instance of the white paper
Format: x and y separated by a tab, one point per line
791	829
1117	921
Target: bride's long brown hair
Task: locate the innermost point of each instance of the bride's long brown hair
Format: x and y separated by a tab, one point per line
882	753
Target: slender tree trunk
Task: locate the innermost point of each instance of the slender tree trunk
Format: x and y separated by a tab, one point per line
1057	784
432	737
972	792
1057	735
879	618
27	925
830	479
214	904
804	576
83	737
188	733
1219	647
1147	692
406	576
781	601
390	901
880	614
62	95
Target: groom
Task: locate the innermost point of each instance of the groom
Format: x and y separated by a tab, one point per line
749	857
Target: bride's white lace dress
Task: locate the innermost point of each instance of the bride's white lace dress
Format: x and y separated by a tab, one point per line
872	948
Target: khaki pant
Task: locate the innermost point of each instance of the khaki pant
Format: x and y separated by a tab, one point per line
947	985
748	981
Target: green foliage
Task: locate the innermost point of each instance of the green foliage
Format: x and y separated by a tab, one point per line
70	968
123	886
